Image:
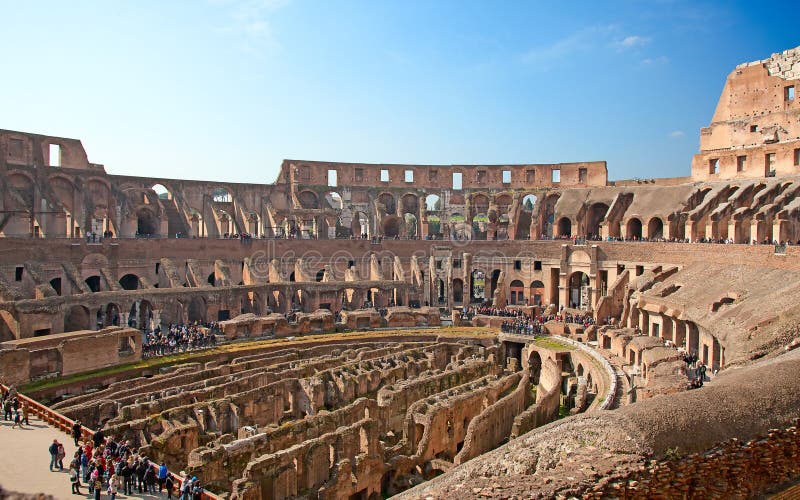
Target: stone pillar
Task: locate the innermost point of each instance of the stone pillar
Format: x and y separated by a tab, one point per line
753	230
689	230
123	318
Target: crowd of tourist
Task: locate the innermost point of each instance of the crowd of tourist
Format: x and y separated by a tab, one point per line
112	467
14	410
522	325
179	338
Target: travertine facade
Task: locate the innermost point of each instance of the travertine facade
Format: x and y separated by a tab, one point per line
339	246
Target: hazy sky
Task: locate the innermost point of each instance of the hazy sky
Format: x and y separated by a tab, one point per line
225	89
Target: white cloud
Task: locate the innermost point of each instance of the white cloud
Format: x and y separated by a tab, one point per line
676	134
655	60
579	41
632	41
248	20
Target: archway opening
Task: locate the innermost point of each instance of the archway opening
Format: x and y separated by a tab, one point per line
517	295
77	318
579	291
477	286
129	282
392	226
655	229
458	291
433	203
93	282
564	227
146	222
633	229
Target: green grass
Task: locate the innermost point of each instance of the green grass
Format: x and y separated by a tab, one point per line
552	343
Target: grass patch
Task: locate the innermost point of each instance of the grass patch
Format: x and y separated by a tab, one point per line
553	343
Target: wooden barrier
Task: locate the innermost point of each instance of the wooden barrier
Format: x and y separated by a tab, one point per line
64	424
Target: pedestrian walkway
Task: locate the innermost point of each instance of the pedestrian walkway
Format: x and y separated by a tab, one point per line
24	467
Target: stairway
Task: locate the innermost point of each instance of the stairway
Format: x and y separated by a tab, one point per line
175	221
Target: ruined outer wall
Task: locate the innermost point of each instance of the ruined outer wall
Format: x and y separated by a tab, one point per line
548	401
754	118
441	176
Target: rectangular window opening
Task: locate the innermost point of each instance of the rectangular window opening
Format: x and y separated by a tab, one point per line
456	263
789	93
18	273
55	155
797	157
530	176
556	175
769	163
582	175
639	270
517	265
384	176
537	265
713	166
433	175
457	177
753	128
359	175
481	176
333	178
741	163
506	176
409	176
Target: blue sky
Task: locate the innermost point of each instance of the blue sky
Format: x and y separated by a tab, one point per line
225	89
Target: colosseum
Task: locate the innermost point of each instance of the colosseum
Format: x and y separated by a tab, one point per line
360	331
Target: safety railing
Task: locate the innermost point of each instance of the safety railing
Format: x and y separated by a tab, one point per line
64	424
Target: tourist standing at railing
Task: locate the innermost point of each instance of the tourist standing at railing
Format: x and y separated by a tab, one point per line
163	473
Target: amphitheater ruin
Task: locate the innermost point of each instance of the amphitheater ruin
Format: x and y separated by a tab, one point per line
427	331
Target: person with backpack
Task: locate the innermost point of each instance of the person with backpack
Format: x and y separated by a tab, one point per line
197	490
186	488
169	484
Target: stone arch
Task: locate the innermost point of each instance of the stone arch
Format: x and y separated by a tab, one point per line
77	318
594	217
93	282
320	275
564	227
391	226
479	203
459	230
221	195
655	228
480	226
146	222
412	226
548	214
535	366
308	199
130	282
477	285
536	293
360	225
112	315
434	226
334	200
633	229
433	203
579	297
410	203
162	192
196	311
458	291
517	293
387	203
56	284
